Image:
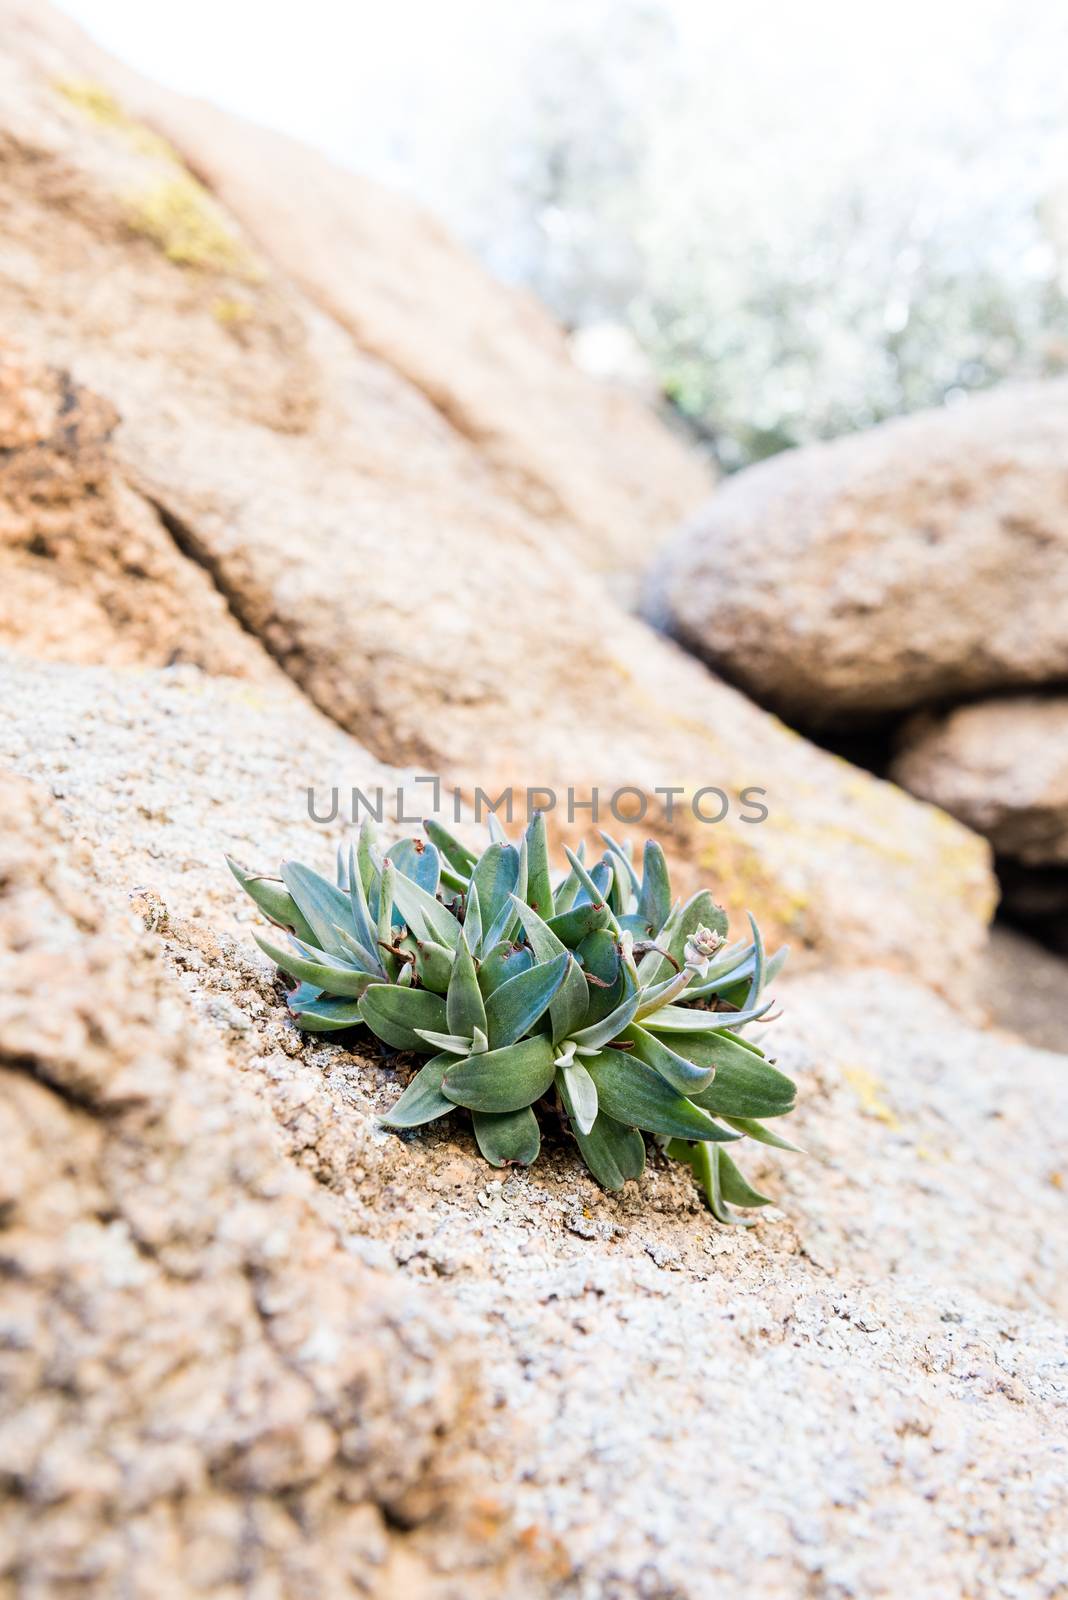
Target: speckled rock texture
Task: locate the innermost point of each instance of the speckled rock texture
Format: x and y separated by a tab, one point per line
1001	766
861	1396
203	1391
372	549
926	559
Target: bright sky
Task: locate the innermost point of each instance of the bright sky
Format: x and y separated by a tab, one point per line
376	83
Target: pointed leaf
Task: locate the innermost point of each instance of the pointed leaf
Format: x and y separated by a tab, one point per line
691	1019
633	1093
473	920
330	977
426	917
454	1044
456	853
325	1016
744	1084
599	957
322	904
756	1130
506	924
600	1033
654	901
423	1100
495	877
571	927
394	1014
626	865
757	980
366	932
579	1094
464	1005
433	964
508	1138
705	1164
593	887
357	955
274	900
514	1007
568	1007
539	884
612	1152
675	1070
735	1188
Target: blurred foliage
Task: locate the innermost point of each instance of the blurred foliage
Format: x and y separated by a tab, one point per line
803	239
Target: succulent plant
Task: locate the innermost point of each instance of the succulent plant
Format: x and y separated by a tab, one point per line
591	994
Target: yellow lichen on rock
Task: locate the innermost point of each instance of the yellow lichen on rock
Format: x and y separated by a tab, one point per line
179	215
101	107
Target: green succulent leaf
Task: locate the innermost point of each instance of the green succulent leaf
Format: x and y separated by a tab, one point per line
610	1027
569	1004
505	924
735	1188
599	957
274	900
654	901
508	1138
422	1101
331	976
454	1044
704	1160
426	917
746	1086
622	855
495	879
539	884
473	920
756	1130
455	852
612	1152
514	1007
595	886
757	981
504	961
465	1007
433	964
323	905
571	927
682	1075
578	1092
366	932
394	1014
502	1080
633	1093
325	1016
419	862
688	1019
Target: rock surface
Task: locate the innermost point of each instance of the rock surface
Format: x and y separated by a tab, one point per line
89	571
586	457
926	559
859	1396
202	1389
1001	766
369	546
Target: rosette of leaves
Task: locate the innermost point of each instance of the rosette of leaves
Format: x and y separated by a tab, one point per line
589	994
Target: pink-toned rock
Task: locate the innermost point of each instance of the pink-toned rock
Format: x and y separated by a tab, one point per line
926	559
1001	766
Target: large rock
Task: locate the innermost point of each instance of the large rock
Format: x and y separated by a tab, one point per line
877	1387
925	559
1002	767
585	457
202	1391
366	543
90	573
